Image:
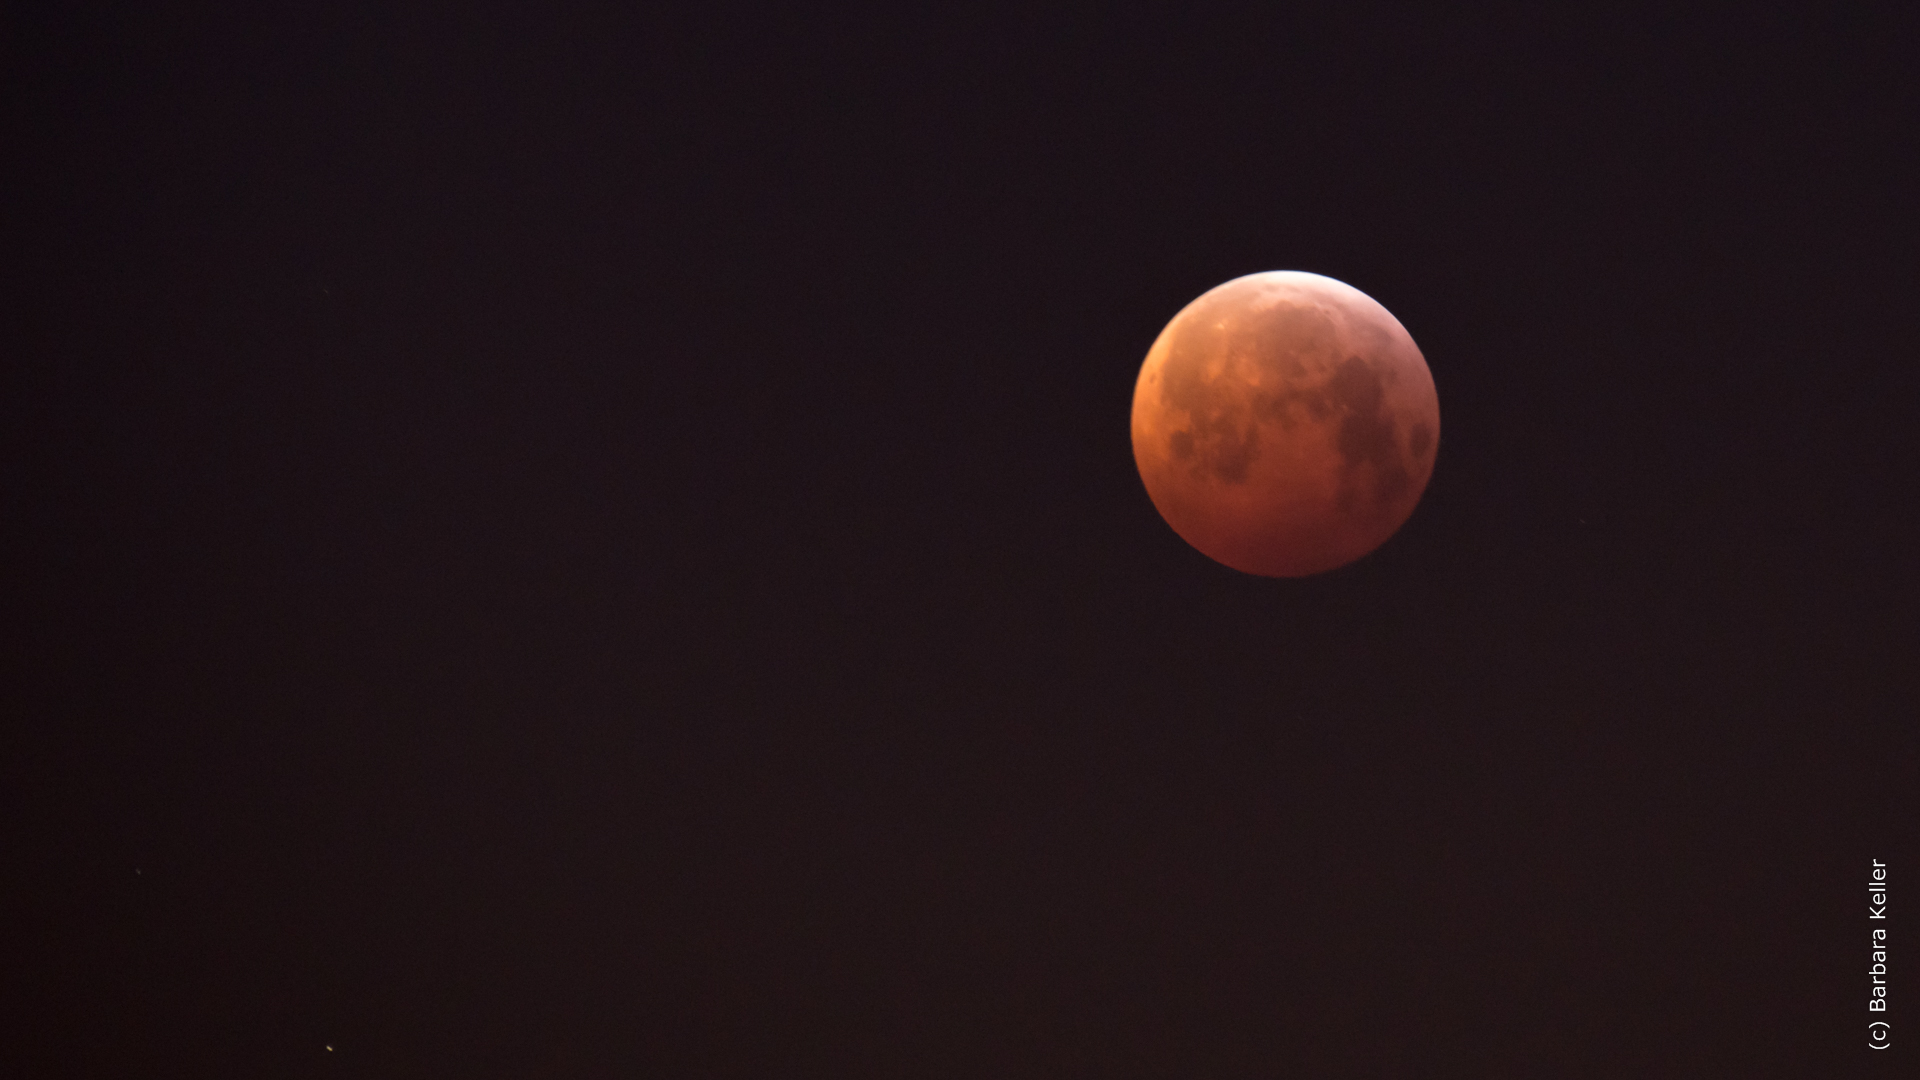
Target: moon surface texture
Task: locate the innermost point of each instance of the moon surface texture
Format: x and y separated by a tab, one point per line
1285	423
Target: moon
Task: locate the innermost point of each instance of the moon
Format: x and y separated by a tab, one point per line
1285	424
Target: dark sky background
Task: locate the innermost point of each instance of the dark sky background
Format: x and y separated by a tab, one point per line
604	543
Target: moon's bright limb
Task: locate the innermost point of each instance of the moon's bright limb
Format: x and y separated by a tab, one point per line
1285	423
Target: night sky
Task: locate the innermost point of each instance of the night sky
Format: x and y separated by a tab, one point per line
603	542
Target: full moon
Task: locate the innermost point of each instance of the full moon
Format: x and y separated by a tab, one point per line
1285	423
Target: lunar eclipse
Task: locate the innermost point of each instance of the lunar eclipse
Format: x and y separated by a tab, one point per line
1285	424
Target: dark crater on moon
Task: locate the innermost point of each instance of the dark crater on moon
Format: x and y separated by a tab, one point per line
1368	434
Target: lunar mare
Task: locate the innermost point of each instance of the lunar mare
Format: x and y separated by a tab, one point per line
1285	423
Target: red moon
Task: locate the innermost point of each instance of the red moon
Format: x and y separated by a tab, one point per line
1285	424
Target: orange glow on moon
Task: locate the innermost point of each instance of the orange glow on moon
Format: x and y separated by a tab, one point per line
1285	423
